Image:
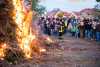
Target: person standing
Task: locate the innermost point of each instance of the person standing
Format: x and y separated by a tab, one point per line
81	28
94	23
60	27
98	32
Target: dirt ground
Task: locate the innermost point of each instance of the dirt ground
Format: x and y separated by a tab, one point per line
70	52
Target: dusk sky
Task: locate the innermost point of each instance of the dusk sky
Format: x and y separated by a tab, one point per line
68	5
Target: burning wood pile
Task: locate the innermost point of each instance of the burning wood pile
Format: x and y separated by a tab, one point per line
17	38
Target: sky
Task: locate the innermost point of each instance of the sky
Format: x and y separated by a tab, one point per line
68	5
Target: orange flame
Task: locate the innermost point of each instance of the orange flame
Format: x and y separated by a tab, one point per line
2	51
23	19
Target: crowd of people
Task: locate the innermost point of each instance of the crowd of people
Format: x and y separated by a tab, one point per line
88	28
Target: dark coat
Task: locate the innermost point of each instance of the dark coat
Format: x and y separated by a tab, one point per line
98	28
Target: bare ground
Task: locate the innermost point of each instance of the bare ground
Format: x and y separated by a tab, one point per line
70	52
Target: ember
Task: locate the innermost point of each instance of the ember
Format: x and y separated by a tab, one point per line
42	50
2	51
49	40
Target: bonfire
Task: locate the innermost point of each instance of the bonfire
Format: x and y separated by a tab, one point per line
28	43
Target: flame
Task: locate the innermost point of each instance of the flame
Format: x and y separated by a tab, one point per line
23	20
27	45
24	34
42	50
2	51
